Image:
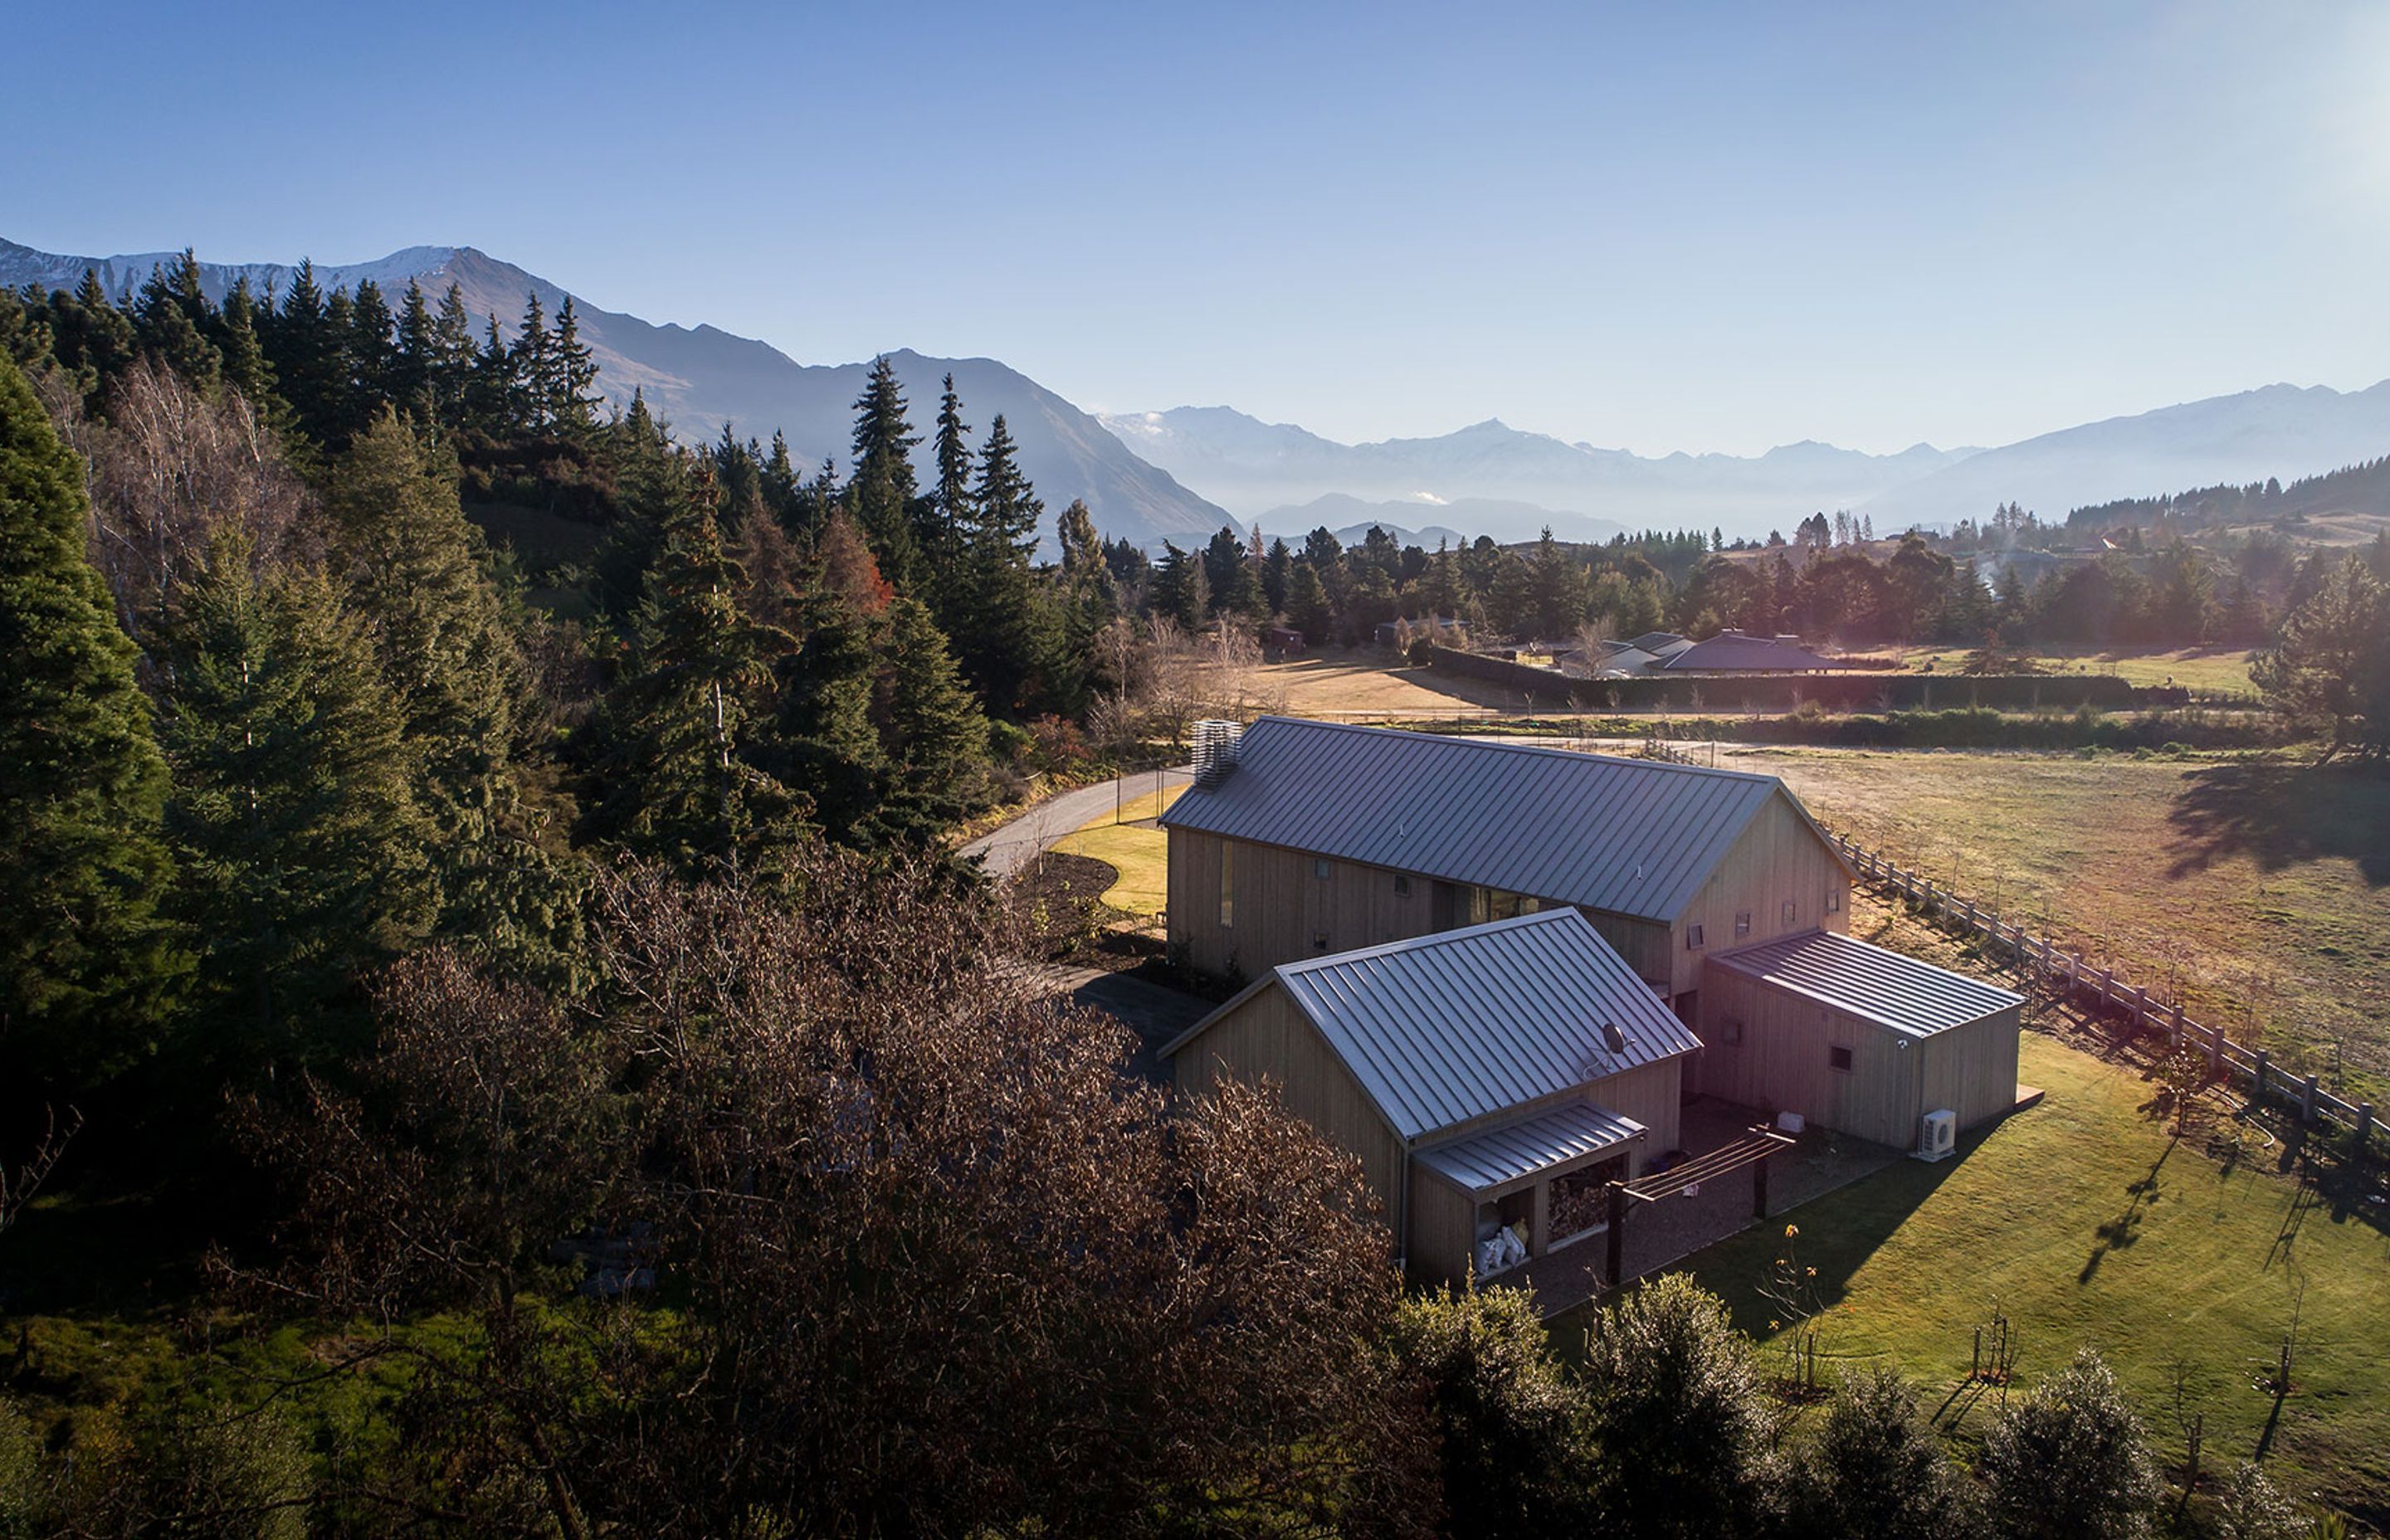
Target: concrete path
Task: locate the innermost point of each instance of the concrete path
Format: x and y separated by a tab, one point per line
1156	1013
1020	841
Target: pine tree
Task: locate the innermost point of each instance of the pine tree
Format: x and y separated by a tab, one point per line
827	741
166	322
1307	609
881	496
690	791
943	534
572	376
85	957
931	731
1074	530
298	841
452	360
373	355
998	629
533	357
243	350
1181	589
1278	572
415	363
493	404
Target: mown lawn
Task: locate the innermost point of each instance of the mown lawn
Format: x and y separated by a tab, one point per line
2257	886
2082	1221
1134	846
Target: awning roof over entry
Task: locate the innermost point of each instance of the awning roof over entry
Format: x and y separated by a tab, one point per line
1484	1162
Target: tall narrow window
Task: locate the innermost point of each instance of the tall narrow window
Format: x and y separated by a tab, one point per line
1693	938
1228	886
1833	900
1320	868
1742	922
1790	911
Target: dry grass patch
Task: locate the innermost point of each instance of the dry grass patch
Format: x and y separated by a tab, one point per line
2258	888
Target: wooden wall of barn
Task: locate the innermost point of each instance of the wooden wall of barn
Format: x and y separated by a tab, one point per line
1264	1038
1284	910
1778	858
1444	1229
1783	1062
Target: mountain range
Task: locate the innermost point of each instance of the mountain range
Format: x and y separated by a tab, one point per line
700	378
1251	466
1180	474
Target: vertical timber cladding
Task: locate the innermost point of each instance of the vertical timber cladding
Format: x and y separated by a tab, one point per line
1264	1037
1784	1061
1284	909
1444	1229
1779	859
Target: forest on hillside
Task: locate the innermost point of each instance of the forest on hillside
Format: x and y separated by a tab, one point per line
543	1022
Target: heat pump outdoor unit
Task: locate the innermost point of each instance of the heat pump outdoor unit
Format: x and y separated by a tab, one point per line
1938	1136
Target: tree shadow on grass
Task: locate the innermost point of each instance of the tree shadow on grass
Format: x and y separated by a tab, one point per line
2279	815
2114	1235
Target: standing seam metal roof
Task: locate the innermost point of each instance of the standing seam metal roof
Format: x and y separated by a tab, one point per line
1447	1028
1485	1161
1914	999
1629	836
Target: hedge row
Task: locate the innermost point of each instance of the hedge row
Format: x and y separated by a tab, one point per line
1784	692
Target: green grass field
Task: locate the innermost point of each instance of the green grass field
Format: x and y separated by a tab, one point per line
2259	888
2084	1222
2194	667
1134	846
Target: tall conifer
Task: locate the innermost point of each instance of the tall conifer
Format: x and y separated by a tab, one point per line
85	957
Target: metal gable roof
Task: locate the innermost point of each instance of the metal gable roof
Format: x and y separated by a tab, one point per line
1911	997
1443	1029
1482	1161
1733	649
1629	836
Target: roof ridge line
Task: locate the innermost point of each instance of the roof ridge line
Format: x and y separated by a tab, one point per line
1433	940
1518	748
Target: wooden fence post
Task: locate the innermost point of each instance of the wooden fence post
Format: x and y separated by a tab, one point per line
2257	1084
2141	1007
2307	1104
2364	1130
1617	1239
2174	1028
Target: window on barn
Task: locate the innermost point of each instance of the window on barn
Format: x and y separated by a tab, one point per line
1833	900
1319	868
1840	1059
1402	885
1319	941
1742	922
1790	911
1228	886
1693	938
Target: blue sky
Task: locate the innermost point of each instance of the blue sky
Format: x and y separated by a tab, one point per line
1673	226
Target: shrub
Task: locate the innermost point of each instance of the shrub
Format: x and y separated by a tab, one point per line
1511	1427
2070	1461
2253	1508
1685	1433
1876	1471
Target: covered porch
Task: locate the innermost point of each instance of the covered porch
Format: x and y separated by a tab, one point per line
1527	1190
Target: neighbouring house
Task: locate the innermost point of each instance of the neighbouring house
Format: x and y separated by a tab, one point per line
1609	660
1310	838
1490	1079
1854	1037
1283	638
1738	652
1662	645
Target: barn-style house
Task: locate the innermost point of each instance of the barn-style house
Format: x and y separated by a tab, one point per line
1492	1078
1477	963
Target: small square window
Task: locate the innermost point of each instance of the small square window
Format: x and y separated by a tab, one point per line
1833	900
1840	1059
1789	911
1742	922
1319	941
1402	886
1319	868
1730	1033
1693	938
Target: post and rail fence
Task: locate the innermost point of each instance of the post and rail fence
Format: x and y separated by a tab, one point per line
2233	1064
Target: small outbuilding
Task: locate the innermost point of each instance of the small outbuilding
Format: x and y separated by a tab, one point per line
1857	1038
1490	1081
